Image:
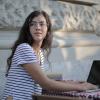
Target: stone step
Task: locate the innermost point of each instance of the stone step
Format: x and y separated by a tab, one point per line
60	39
75	39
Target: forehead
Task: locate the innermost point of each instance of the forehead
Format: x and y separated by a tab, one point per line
39	18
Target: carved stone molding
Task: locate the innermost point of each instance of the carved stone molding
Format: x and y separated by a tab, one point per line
65	16
80	2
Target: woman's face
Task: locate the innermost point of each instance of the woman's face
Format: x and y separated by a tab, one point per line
38	28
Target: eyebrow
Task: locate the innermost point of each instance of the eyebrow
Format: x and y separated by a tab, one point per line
39	21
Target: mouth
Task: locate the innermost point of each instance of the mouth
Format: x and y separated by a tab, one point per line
38	33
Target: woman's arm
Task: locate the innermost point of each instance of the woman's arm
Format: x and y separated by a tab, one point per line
37	74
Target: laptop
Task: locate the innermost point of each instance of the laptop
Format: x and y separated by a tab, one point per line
94	74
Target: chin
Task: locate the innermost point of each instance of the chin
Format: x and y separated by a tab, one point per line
39	39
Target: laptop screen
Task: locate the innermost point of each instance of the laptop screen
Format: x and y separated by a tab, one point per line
94	74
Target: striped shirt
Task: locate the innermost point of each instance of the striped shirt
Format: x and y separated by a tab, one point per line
19	83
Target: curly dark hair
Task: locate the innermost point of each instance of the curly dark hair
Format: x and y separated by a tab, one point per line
25	37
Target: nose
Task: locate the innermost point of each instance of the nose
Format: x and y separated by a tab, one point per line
38	26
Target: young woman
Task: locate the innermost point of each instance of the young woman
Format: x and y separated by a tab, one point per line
25	74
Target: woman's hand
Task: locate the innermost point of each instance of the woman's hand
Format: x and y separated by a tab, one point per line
72	81
82	85
87	86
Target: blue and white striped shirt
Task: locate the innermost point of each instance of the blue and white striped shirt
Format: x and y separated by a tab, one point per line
19	83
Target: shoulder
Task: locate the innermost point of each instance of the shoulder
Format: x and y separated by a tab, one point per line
24	46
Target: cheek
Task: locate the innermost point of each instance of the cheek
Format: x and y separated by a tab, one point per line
31	30
45	33
45	30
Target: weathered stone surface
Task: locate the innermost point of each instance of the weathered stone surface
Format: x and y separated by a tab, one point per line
98	26
65	16
80	2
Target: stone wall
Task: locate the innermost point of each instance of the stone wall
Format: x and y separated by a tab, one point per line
70	52
65	16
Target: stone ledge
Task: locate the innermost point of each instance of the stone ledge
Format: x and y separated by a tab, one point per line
75	39
97	7
75	42
60	39
81	2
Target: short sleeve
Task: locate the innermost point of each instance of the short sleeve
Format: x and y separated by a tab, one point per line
24	54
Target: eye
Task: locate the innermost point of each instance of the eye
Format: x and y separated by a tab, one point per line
33	24
42	24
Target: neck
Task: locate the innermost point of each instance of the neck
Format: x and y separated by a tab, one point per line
37	46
